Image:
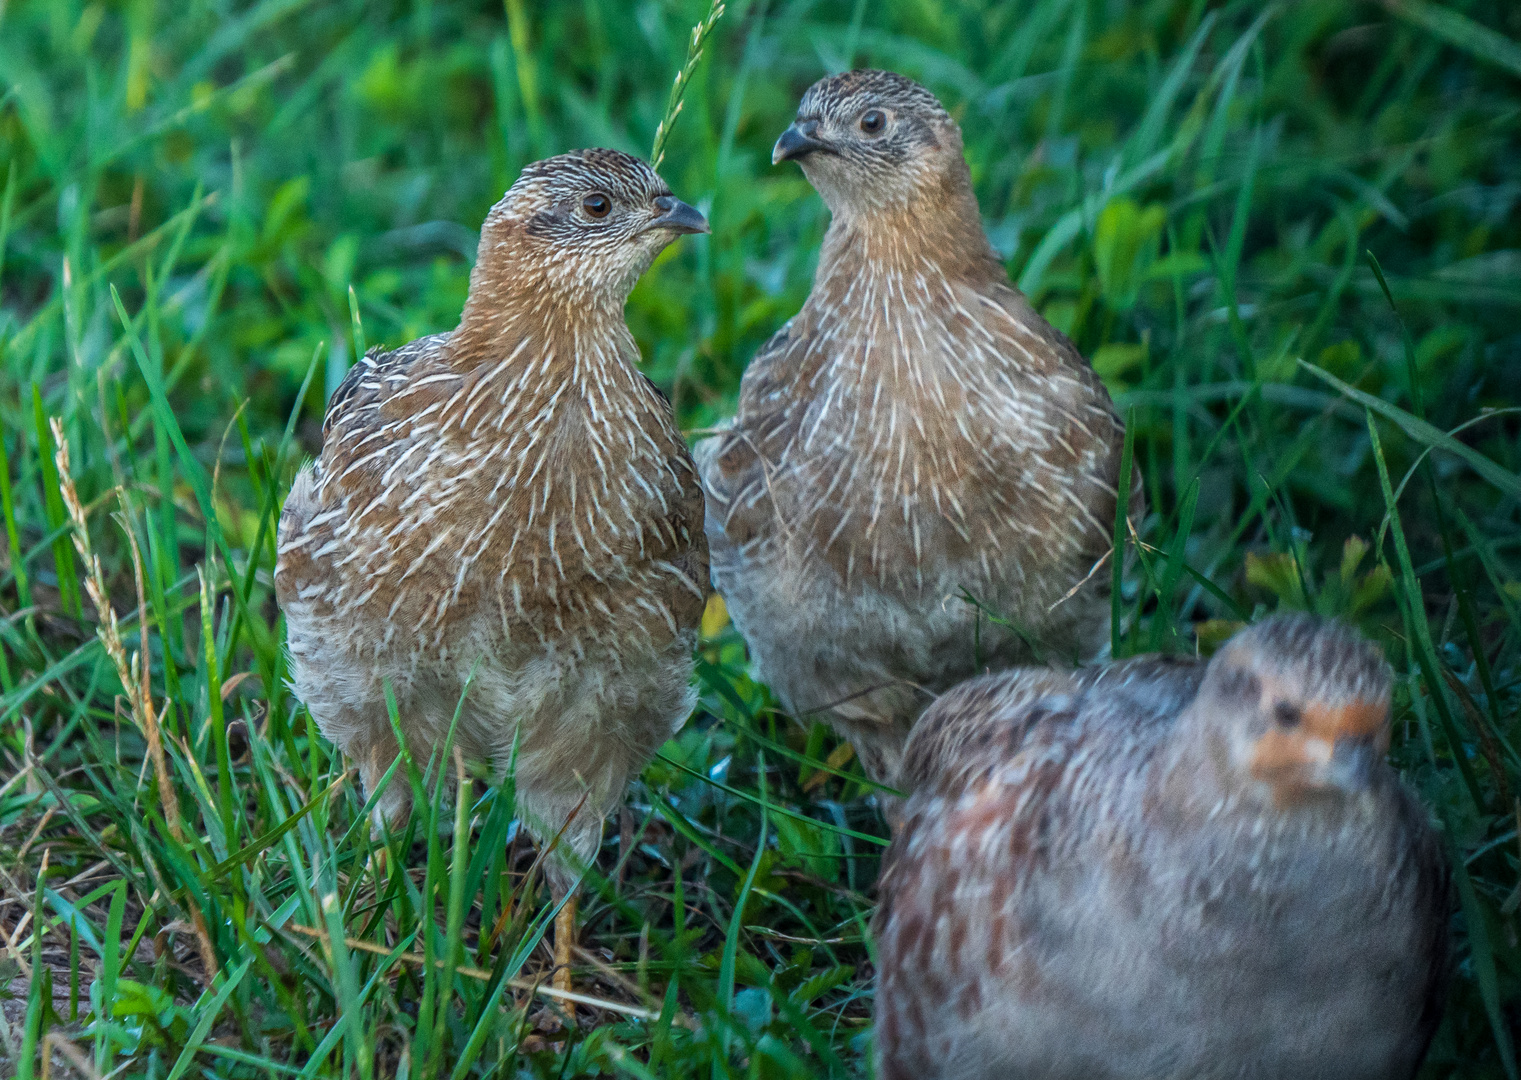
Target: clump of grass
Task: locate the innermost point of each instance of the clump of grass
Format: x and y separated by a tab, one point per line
205	218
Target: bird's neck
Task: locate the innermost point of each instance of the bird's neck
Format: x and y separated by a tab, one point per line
887	299
565	329
938	231
1193	774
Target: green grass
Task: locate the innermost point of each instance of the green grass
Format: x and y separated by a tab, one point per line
1288	236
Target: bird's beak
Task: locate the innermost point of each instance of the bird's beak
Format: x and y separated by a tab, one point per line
678	216
798	141
1334	747
1352	762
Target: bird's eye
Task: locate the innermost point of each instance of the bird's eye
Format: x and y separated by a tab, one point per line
1286	714
873	121
597	204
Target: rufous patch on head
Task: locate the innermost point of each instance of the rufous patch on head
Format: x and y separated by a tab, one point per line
1355	719
1280	753
1290	759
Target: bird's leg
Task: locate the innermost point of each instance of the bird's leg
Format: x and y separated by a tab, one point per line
565	939
391	810
563	882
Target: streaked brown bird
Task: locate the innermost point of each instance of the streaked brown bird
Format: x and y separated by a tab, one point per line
916	432
1163	868
513	499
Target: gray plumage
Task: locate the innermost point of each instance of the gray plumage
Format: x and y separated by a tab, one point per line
1164	869
917	431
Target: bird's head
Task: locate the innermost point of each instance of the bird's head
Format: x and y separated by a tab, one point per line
588	222
874	141
1298	707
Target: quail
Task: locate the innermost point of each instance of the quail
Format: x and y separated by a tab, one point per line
1164	868
915	438
511	505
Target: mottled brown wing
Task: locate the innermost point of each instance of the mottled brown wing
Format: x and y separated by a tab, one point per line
949	929
978	725
996	768
734	464
367	381
687	549
376	403
982	723
1099	420
293	565
365	401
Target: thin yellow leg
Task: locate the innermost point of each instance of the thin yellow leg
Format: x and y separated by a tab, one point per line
565	939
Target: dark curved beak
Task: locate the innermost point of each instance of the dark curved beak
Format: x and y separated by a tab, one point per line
798	141
678	216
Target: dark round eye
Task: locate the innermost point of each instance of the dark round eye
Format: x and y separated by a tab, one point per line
1286	714
873	121
597	204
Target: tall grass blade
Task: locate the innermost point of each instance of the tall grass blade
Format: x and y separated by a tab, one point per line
1414	609
1423	432
1460	31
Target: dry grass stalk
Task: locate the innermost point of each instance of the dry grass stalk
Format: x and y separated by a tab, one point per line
53	1041
132	673
563	996
95	581
140	692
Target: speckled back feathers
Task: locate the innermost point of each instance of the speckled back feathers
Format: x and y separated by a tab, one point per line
1083	887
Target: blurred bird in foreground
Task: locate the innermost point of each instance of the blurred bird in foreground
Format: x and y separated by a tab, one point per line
1162	868
512	499
916	433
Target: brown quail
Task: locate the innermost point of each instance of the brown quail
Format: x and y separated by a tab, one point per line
916	433
1163	868
513	499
